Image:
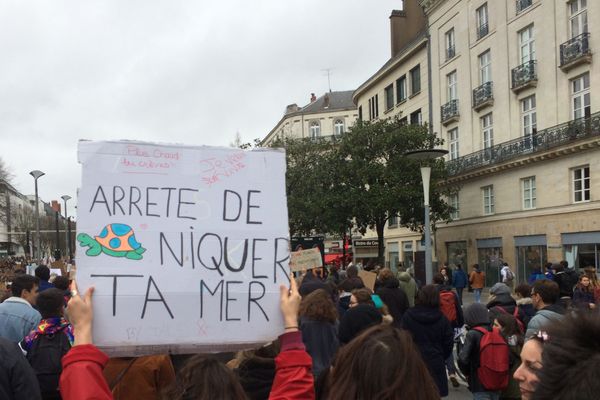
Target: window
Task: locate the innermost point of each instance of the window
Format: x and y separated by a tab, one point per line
415	80
485	67
416	118
482	21
528	117
527	44
451	84
403	121
580	94
401	89
450	44
487	129
455	214
374	107
488	199
453	141
338	127
578	18
529	196
581	184
389	97
315	129
393	221
360	117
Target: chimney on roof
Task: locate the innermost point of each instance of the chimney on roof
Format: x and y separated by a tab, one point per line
326	101
406	24
313	97
291	108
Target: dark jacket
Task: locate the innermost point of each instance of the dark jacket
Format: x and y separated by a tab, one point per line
394	298
321	341
256	376
566	281
434	337
459	279
468	358
526	306
17	379
582	299
508	304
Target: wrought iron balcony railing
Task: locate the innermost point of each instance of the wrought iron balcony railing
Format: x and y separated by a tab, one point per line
538	142
449	111
574	49
483	95
524	74
450	52
482	30
523	4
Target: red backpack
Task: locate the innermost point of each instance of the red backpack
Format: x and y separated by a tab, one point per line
493	371
448	305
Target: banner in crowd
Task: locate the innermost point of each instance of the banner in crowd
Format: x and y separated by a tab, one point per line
306	259
186	246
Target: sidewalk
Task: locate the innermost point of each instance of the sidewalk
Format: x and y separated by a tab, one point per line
469	298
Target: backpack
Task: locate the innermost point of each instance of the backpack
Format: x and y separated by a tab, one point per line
45	357
509	275
516	315
448	305
494	365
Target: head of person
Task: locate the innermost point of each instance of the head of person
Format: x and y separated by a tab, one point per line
523	291
357	319
571	359
507	324
42	272
205	378
584	283
548	267
385	275
361	296
352	272
380	363
476	314
26	287
458	266
565	264
61	282
499	291
556	268
428	296
444	271
528	373
51	303
318	306
438	279
544	293
590	272
475	267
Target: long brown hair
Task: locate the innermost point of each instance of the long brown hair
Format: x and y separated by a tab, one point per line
318	306
381	363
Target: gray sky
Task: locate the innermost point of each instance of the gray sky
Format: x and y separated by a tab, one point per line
193	72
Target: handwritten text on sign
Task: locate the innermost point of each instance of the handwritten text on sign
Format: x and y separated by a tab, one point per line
305	259
185	245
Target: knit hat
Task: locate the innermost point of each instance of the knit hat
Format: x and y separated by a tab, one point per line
476	314
356	320
499	288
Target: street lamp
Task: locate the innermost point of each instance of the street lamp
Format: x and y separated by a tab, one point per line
65	198
36	175
424	156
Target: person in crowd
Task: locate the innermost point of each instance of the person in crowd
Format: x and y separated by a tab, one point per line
43	274
17	315
312	282
459	281
528	373
256	370
523	297
318	324
548	271
358	318
514	337
62	283
476	316
447	274
566	278
352	278
408	285
392	295
544	296
590	272
501	302
432	333
17	378
583	295
571	359
49	342
536	275
344	296
477	281
508	276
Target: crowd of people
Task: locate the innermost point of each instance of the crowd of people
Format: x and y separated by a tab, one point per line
339	340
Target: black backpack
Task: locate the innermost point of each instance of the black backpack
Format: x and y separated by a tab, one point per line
45	356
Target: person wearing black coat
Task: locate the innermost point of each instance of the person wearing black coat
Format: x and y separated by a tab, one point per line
392	295
432	333
17	378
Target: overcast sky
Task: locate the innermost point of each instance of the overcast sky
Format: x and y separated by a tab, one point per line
193	72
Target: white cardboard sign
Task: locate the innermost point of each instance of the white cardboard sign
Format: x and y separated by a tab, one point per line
305	259
186	246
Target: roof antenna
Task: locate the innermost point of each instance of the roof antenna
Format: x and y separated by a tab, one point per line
328	72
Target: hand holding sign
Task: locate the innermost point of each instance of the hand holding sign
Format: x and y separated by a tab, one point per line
290	304
81	314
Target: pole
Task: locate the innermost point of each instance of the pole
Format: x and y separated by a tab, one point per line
67	231
57	251
425	175
69	238
36	175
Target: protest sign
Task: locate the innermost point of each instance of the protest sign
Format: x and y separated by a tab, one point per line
305	259
186	246
368	278
56	271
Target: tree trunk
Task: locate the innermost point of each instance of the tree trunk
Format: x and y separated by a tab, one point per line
380	247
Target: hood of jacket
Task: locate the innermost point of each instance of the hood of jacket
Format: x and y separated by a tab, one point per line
523	301
404	276
501	300
390	283
425	315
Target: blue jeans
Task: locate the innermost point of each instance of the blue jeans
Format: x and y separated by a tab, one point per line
486	396
477	295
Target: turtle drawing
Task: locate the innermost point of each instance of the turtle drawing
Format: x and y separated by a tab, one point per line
115	240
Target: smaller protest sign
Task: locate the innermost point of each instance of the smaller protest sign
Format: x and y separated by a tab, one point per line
305	259
368	278
56	271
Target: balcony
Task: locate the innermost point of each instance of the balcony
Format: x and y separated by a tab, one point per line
524	76
450	52
483	30
523	4
483	96
450	112
539	142
575	51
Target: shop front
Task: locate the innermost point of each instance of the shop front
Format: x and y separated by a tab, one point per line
531	255
581	249
490	258
365	252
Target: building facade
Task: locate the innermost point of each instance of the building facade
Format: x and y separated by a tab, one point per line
515	96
